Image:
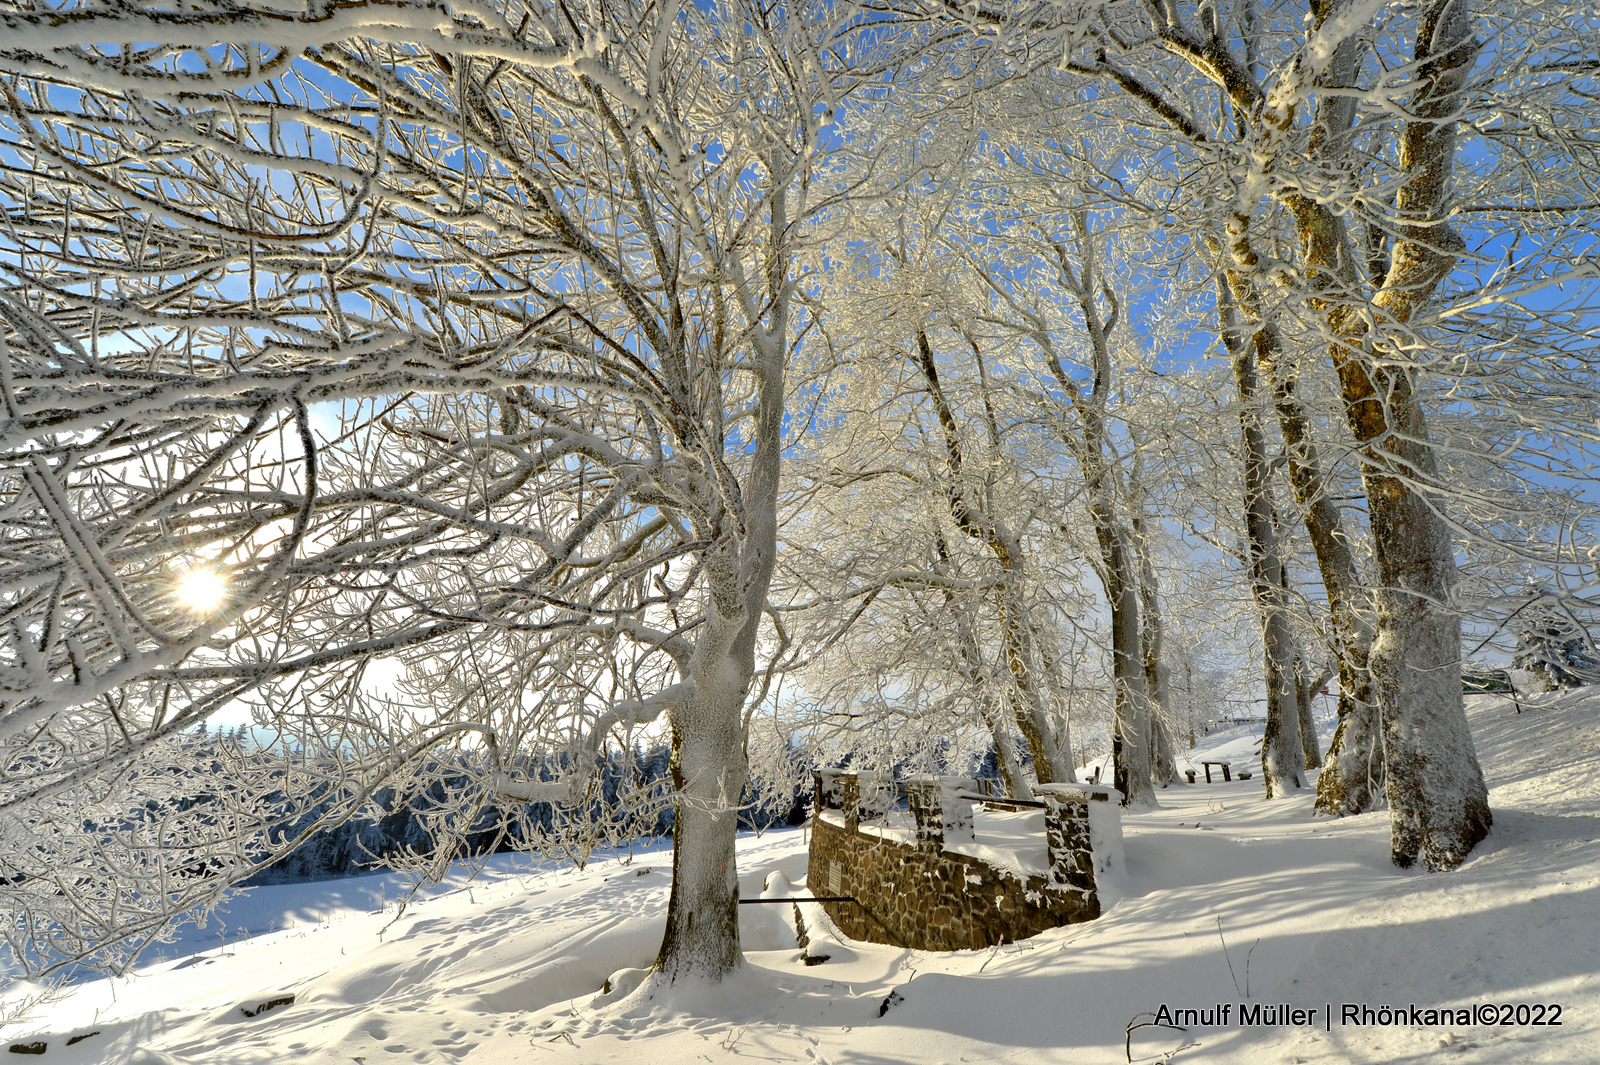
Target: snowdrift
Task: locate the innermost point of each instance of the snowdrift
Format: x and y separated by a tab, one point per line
1224	899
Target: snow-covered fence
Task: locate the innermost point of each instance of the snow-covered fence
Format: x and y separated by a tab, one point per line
839	789
1083	833
941	811
941	876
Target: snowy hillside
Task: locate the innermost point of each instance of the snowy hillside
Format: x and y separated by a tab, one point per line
1227	899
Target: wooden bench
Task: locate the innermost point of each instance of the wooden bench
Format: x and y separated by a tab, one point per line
1490	682
1227	773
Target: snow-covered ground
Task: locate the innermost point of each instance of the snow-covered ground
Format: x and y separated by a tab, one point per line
1226	899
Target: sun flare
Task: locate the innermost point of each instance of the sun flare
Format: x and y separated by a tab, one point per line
201	590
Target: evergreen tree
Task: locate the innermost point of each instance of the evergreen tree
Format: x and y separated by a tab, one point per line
1552	644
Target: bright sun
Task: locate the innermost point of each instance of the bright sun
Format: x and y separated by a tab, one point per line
201	589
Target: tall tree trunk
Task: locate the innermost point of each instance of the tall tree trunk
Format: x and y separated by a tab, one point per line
1354	761
708	775
1028	658
1130	735
701	941
1308	683
1353	770
979	522
1438	802
995	716
1052	764
1005	752
1052	665
1304	686
1282	762
1163	760
1188	693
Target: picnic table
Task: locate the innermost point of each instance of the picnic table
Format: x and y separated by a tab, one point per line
1227	773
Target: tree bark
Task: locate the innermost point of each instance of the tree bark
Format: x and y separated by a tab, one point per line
1282	762
708	776
1307	684
996	717
1050	764
708	730
1163	760
1130	740
1353	768
1438	801
1130	734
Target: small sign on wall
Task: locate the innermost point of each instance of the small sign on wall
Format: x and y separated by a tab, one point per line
835	878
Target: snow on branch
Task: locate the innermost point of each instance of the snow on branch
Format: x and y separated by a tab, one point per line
71	43
627	714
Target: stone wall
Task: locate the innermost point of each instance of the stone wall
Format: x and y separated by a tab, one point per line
919	895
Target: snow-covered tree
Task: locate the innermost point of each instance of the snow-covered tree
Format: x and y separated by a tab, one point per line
450	344
1319	147
454	335
1552	644
1282	760
928	511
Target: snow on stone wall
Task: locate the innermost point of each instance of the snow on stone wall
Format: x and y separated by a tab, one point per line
911	890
